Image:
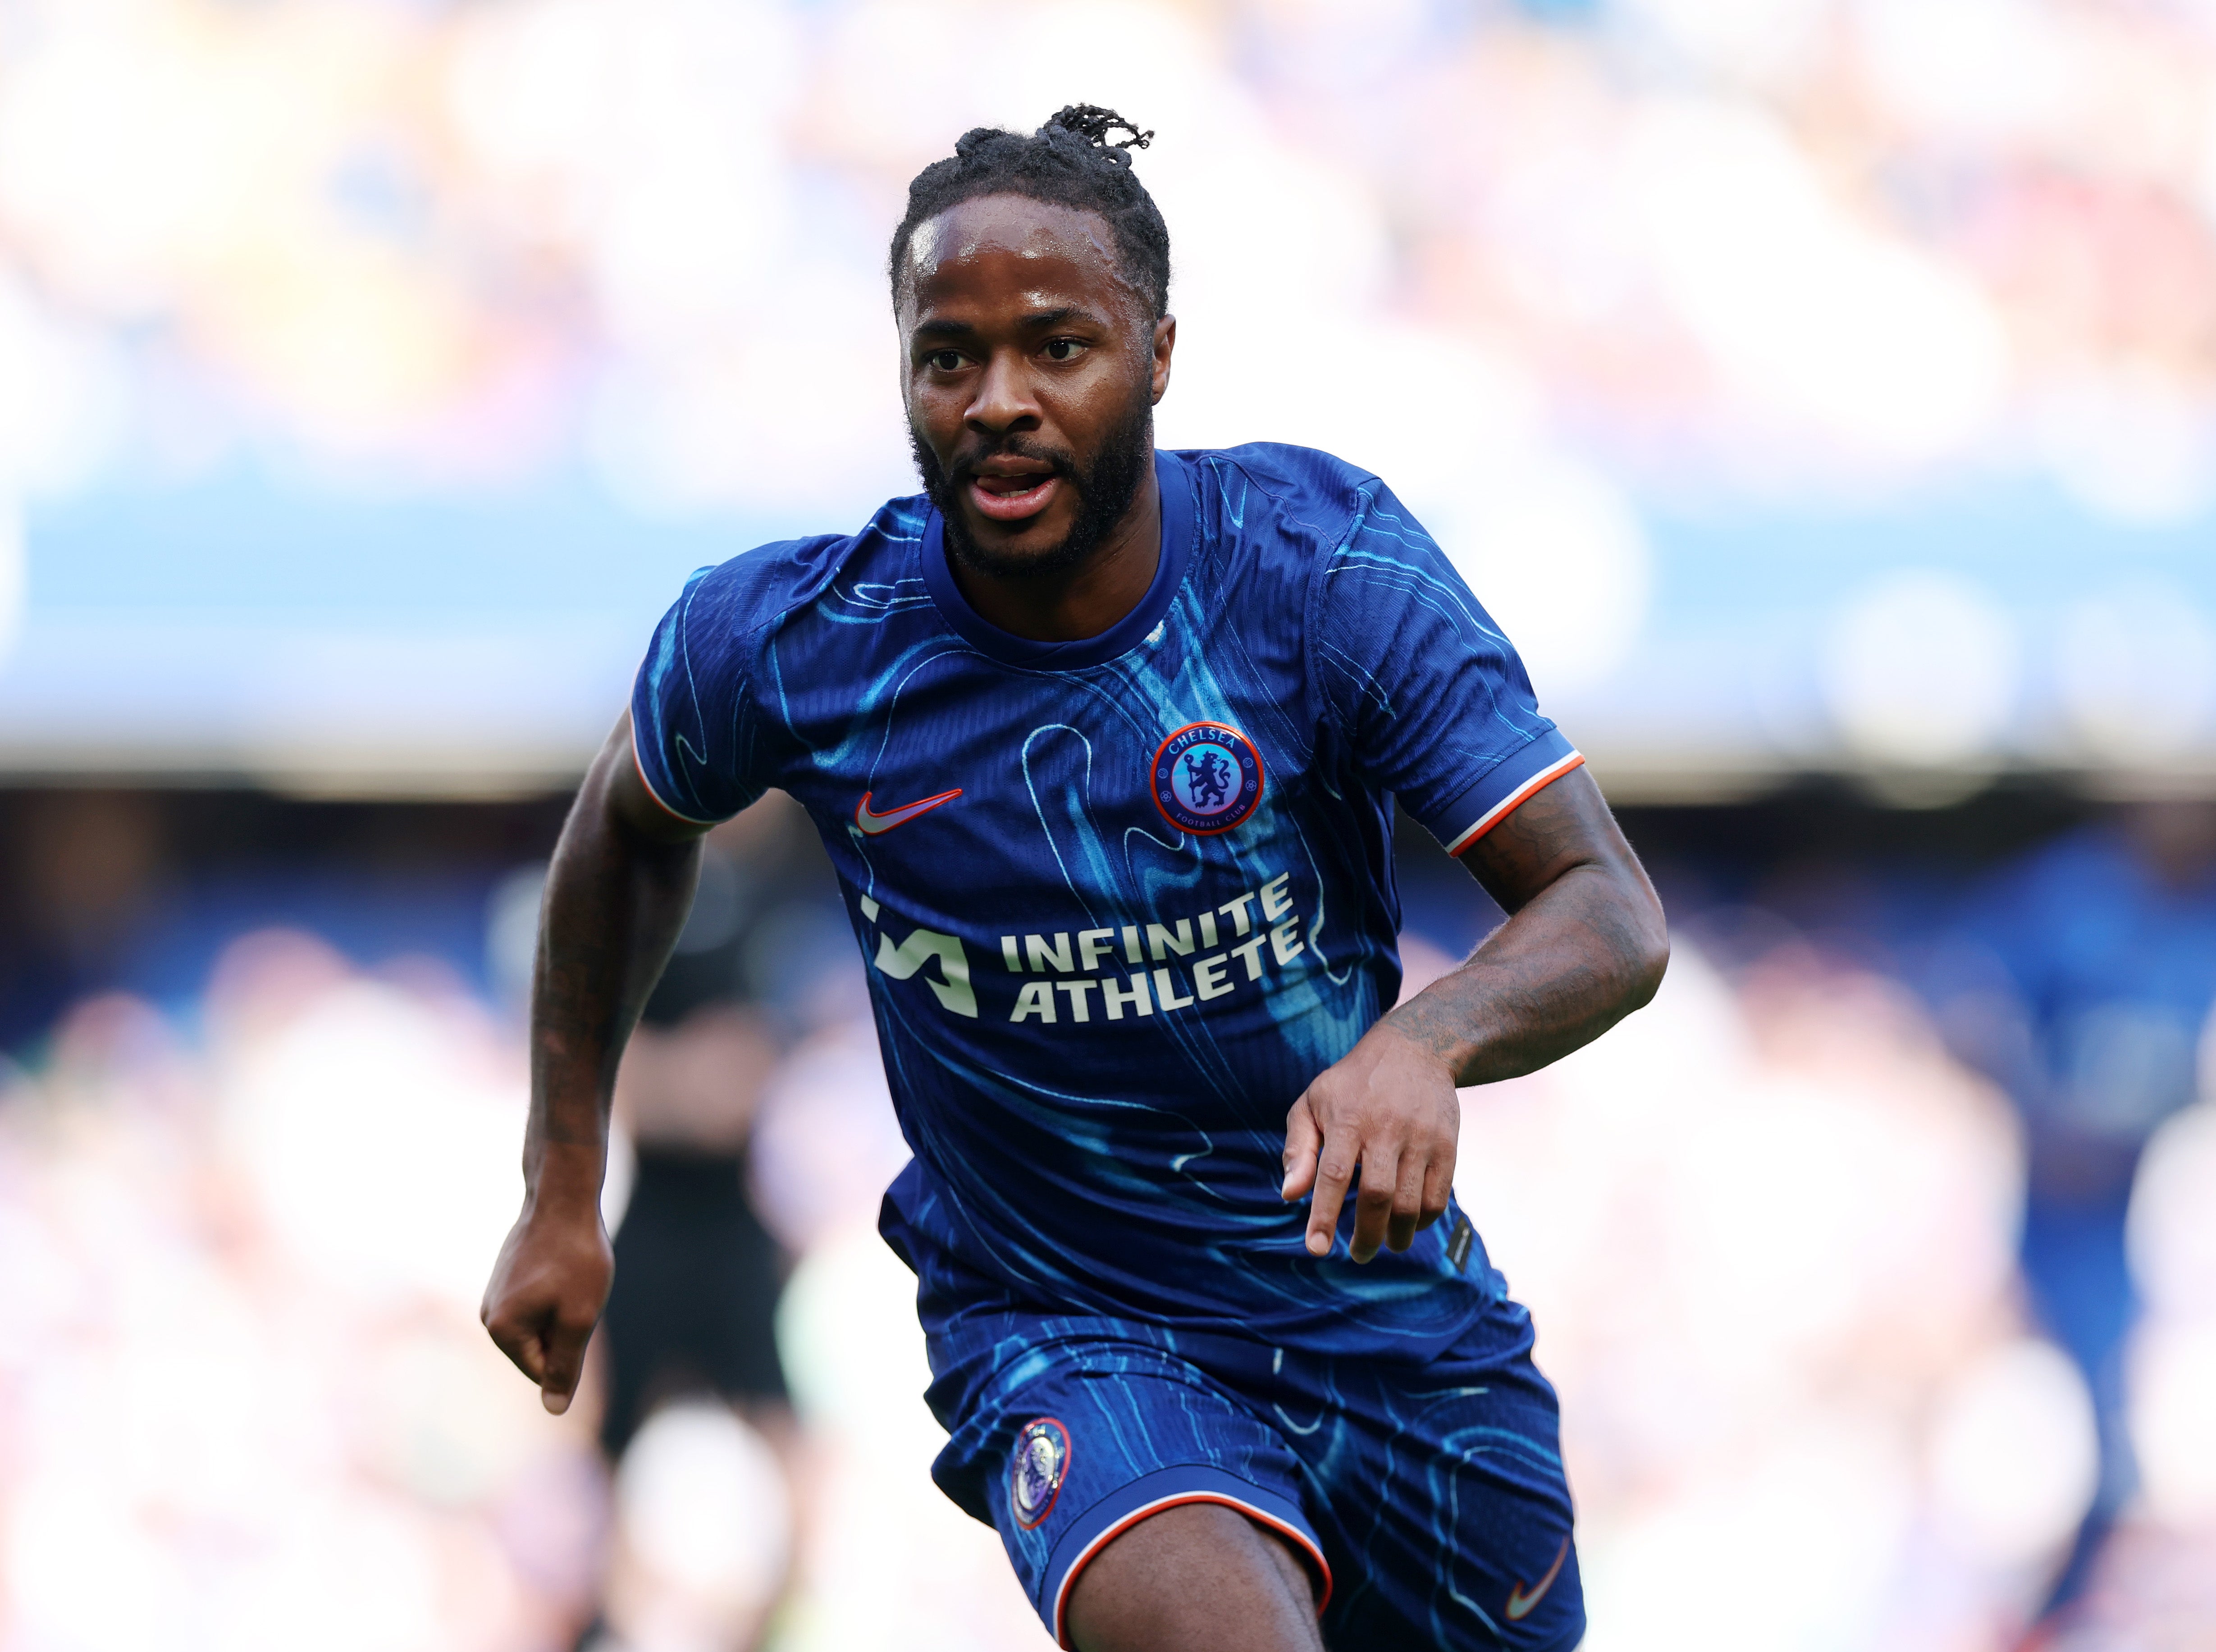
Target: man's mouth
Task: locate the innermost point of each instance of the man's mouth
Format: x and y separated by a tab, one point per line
1010	494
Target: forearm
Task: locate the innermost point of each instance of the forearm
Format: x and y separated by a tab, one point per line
615	899
1581	954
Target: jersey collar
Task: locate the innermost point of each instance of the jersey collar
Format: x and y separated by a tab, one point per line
1170	474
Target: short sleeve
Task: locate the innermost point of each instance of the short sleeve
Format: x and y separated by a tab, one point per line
1433	702
693	725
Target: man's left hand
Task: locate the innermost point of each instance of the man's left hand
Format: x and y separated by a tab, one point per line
1389	1108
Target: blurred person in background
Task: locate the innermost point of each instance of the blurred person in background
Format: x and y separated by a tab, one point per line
81	869
2085	995
1187	1407
692	1314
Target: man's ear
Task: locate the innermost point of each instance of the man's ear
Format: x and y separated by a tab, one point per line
900	353
1165	343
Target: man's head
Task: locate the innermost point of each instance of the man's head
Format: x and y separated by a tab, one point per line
1030	279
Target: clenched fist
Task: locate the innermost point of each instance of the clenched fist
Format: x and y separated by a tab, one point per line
547	1292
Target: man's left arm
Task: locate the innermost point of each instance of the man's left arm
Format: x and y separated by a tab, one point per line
1584	946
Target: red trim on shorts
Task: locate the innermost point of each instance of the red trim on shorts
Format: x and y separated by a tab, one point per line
1281	1527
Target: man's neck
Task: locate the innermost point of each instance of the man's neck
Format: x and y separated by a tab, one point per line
1082	601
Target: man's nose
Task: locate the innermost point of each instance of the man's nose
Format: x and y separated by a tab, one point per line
1004	401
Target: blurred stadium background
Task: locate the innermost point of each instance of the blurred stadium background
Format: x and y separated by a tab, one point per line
1823	393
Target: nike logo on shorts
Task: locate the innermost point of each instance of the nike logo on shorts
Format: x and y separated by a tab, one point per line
873	824
1520	1604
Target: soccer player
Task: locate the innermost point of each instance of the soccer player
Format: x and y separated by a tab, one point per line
1104	743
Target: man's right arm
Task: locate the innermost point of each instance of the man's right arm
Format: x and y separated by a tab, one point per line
617	894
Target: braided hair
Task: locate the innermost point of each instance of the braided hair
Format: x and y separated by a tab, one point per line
1069	161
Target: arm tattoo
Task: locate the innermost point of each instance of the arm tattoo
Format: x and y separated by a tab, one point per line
1584	945
616	898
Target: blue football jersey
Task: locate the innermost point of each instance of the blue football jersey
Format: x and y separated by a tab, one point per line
1121	898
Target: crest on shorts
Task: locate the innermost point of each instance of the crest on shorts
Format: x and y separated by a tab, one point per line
1207	777
1042	1461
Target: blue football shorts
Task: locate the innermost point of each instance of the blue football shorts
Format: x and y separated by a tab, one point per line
1428	1499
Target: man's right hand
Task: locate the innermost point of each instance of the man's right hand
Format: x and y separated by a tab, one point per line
618	890
546	1294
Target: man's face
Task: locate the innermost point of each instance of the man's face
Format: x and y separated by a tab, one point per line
1032	368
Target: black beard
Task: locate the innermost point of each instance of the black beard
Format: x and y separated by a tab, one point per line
1104	491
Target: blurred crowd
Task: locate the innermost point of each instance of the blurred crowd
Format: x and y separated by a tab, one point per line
1873	1264
1739	242
1807	385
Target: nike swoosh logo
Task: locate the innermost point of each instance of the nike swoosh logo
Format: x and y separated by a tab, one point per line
1520	1604
873	824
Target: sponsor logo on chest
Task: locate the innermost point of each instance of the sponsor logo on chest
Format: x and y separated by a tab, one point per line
1079	976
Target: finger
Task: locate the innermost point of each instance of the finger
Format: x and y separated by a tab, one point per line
565	1364
1304	1141
1439	1185
1373	1206
1335	1170
1408	1199
521	1342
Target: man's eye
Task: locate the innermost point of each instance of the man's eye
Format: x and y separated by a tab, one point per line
1062	349
945	360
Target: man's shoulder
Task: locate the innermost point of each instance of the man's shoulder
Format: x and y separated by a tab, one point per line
1284	467
751	593
1280	498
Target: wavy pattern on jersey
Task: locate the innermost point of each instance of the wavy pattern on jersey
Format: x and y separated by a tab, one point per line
1065	1159
1155	705
1130	1151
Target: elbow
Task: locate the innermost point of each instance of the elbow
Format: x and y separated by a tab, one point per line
1653	964
1649	956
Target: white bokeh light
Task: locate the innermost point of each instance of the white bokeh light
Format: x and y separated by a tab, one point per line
1813	1528
2173	1425
15	571
1757	39
1996	67
2137	671
2137	447
62	394
2173	1219
2013	1459
1921	670
1810	309
704	1530
362	1094
1557	555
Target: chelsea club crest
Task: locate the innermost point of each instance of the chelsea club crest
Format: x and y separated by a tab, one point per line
1207	777
1042	1461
